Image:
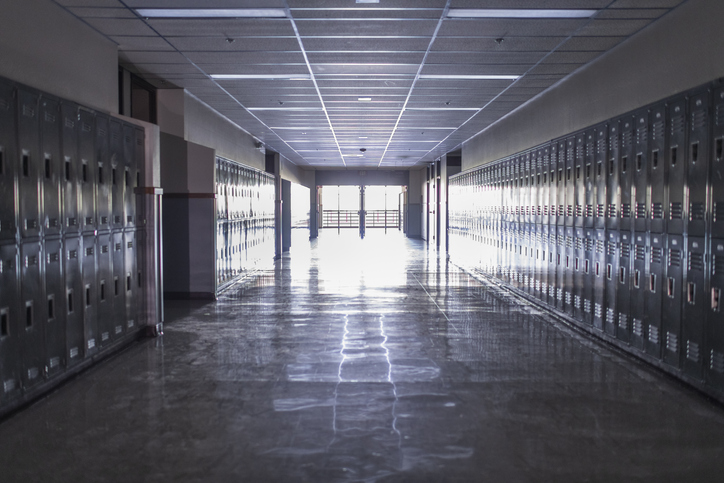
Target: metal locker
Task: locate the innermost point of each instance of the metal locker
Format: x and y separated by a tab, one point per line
600	166
73	293
577	268
140	179
12	325
55	307
51	163
579	179
611	281
130	175
675	211
33	313
71	168
524	188
104	171
639	286
88	175
654	292
626	165
672	299
640	168
569	256
140	308
560	267
569	179
698	162
131	286
612	175
545	186
590	179
717	166
623	288
714	337
8	153
117	172
558	152
694	310
551	265
107	313
541	198
28	167
88	296
657	169
586	267
543	269
598	271
118	286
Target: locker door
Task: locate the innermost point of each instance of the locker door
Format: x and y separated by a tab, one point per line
623	295
639	277
579	179
717	166
561	268
599	279
569	179
130	173
657	169
698	163
600	166
104	171
51	165
88	296
74	333
29	162
32	304
695	298
88	175
676	165
12	324
626	165
558	162
551	267
568	281
70	172
715	321
104	292
613	188
587	274
8	222
640	168
139	176
525	188
55	308
118	287
654	292
130	241
611	281
118	169
543	263
545	186
589	174
672	299
578	265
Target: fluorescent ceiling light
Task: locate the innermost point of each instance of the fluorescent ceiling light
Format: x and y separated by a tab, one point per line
469	77
363	137
285	109
367	1
262	76
518	13
364	98
441	109
212	12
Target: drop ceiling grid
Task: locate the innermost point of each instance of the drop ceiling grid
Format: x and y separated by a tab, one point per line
363	50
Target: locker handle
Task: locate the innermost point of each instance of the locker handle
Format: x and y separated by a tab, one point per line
691	293
719	148
695	152
51	307
609	271
674	152
4	322
637	277
48	173
655	159
87	296
652	283
26	165
29	314
670	287
622	274
2	161
639	159
715	297
85	172
624	162
600	167
70	301
598	269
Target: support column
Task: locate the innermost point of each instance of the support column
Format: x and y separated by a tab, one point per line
313	212
362	212
442	204
286	215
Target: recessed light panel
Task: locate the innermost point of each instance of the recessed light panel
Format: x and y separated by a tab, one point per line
212	12
518	13
469	77
261	76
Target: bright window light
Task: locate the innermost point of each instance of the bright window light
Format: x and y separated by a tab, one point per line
212	12
262	76
469	77
518	13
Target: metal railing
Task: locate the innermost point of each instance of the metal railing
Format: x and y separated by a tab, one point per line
382	219
340	219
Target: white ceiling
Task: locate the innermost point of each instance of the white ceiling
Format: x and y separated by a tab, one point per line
350	50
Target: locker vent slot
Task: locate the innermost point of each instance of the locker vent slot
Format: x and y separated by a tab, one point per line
698	119
560	210
657	211
638	328
696	211
589	244
719	115
656	253
89	251
600	210
105	336
579	243
54	362
716	361
74	352
718	211
53	257
641	252
625	250
579	210
672	342
598	311
657	129
559	294
569	242
612	210
569	210
568	298
91	343
599	246
696	261
692	351
653	334
118	247
717	264
623	321
610	317
625	210
626	138
674	257
72	222
587	306
640	210
33	373
130	324
130	244
677	124
9	385
577	302
117	220
589	211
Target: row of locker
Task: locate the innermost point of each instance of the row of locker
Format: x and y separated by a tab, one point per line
657	170
242	192
62	301
64	169
241	246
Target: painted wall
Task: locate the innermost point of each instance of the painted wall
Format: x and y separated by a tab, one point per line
414	203
678	52
45	47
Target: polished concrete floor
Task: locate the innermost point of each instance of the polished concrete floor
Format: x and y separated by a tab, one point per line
370	361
